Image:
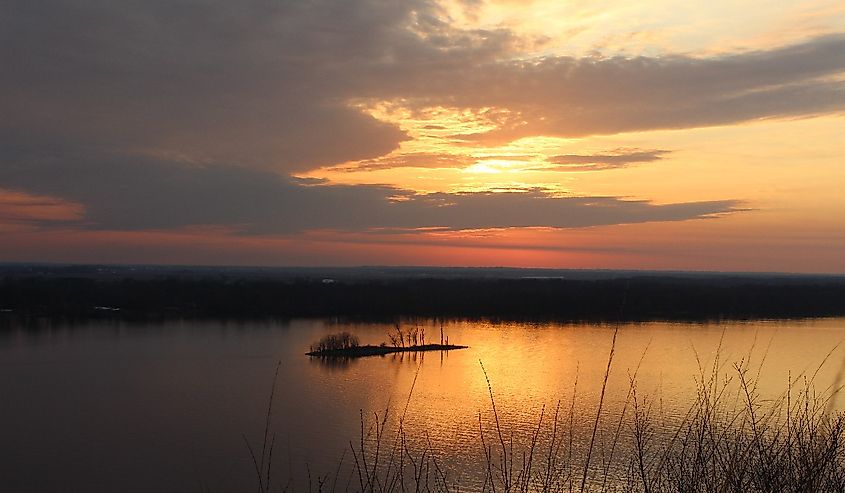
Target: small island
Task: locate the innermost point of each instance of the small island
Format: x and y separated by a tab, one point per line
370	350
346	345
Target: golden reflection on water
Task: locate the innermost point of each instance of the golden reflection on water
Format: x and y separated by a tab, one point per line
184	394
532	367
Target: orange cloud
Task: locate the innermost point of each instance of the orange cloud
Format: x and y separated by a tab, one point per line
22	207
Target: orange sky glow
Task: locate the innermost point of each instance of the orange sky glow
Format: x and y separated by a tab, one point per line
572	134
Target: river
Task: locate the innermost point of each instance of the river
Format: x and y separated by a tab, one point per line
126	406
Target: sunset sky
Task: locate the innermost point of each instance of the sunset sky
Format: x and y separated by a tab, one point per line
702	135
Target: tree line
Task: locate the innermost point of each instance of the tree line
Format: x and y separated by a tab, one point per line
633	299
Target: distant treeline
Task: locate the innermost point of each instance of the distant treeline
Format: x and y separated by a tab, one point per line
633	299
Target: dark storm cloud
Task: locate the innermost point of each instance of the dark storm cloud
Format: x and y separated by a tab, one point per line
138	193
619	158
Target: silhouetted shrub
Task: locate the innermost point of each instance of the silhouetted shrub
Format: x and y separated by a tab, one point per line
332	342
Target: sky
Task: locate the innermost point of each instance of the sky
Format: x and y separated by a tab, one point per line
701	135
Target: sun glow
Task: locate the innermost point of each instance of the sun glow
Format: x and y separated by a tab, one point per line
554	27
442	153
598	119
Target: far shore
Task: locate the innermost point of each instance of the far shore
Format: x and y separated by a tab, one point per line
370	350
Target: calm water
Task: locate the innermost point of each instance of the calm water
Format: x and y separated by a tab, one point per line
128	407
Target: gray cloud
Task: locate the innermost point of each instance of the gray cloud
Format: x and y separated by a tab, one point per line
619	158
260	82
572	97
267	84
125	107
137	192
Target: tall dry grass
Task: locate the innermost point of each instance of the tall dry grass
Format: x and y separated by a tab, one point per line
729	440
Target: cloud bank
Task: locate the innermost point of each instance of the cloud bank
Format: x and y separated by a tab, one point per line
268	84
154	114
140	193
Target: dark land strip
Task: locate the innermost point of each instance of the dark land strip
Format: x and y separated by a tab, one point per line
632	298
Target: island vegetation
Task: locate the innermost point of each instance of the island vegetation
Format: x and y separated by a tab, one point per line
346	345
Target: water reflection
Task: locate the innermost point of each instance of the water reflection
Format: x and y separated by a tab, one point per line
333	363
409	358
178	397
